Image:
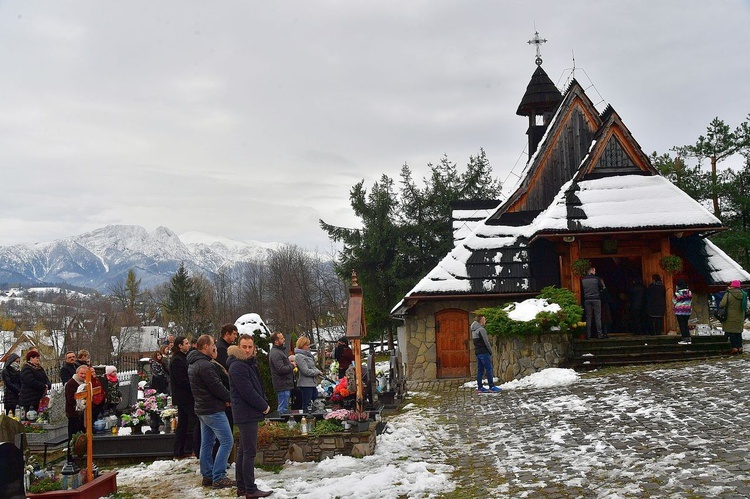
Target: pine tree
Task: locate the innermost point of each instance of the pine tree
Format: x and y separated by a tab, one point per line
404	236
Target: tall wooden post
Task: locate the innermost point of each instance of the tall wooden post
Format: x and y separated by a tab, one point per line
88	396
355	330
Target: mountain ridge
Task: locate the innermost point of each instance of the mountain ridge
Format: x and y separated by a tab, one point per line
102	257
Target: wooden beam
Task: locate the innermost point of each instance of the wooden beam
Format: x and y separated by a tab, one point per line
88	395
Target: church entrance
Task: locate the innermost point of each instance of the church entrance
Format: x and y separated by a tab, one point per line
618	274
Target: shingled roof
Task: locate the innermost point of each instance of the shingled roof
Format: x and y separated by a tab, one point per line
588	175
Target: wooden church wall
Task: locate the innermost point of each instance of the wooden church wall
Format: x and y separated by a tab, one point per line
560	164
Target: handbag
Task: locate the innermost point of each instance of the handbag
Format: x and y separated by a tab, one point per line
721	313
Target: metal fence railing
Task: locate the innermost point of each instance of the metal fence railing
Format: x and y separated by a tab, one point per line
125	369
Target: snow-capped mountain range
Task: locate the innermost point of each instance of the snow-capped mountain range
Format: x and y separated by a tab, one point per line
101	258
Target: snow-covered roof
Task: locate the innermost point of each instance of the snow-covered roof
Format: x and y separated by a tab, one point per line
723	268
623	202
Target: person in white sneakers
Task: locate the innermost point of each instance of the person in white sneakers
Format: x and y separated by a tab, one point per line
483	349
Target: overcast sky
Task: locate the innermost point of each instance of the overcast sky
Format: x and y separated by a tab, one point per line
252	120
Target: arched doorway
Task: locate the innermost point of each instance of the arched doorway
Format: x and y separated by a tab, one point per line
452	340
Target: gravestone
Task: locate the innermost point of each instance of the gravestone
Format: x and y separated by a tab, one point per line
11	472
56	409
129	392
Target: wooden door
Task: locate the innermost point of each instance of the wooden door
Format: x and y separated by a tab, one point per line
452	339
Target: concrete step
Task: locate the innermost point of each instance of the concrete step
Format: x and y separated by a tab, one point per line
622	350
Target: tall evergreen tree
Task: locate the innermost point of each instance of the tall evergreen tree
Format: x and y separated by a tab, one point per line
185	305
371	252
404	235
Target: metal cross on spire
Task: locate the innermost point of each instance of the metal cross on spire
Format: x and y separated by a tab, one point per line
538	42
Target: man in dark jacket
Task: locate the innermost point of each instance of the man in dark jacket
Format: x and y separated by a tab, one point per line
249	406
483	351
68	368
637	298
591	288
282	371
12	382
228	337
656	305
211	398
188	428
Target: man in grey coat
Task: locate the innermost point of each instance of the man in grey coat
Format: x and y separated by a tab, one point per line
282	371
483	351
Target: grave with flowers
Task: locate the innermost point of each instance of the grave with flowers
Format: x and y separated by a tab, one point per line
144	431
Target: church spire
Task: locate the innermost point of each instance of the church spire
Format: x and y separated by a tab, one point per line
540	100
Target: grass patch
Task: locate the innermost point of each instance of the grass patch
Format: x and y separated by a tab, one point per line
271	468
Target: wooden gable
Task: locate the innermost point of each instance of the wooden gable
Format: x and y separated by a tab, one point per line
565	144
615	151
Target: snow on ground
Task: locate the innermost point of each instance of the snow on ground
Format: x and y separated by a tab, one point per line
546	378
402	466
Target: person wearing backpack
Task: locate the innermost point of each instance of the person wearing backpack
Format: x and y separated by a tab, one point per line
735	302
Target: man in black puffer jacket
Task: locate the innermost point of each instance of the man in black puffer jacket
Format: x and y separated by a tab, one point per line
211	398
249	406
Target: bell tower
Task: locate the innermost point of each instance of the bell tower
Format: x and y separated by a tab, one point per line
540	101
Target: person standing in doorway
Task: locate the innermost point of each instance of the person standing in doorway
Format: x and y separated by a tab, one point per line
483	351
656	305
735	302
637	299
683	307
591	288
282	371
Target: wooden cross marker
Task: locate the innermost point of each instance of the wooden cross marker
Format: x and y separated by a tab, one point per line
88	395
356	329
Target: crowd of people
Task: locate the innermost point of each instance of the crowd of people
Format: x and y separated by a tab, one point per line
214	384
648	308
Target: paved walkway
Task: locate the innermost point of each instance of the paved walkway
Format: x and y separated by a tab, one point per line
681	431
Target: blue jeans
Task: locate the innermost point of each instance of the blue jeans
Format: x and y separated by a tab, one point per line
283	396
309	393
484	364
215	426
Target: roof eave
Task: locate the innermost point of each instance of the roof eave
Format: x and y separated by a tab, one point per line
409	302
703	230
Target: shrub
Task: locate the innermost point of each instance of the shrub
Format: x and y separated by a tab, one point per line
566	319
269	431
326	426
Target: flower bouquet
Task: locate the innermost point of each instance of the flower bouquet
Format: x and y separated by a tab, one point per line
340	416
169	413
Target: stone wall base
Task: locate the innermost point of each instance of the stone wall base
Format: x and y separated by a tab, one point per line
309	448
